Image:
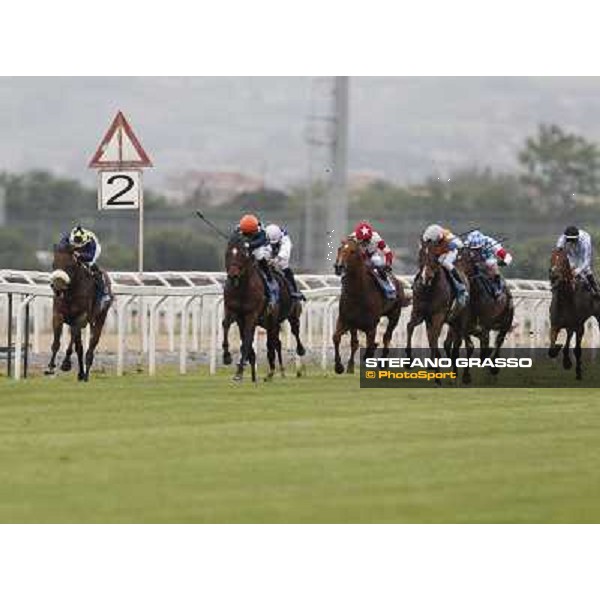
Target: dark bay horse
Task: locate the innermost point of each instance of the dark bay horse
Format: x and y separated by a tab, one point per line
75	303
571	306
245	304
486	312
434	303
362	304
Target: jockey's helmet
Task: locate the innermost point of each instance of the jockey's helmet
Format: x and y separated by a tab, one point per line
249	224
433	233
274	233
572	233
363	231
476	239
79	236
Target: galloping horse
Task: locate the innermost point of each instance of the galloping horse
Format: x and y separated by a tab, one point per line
434	303
75	303
486	313
245	303
362	304
571	306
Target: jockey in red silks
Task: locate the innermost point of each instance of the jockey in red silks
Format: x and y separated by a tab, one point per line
379	254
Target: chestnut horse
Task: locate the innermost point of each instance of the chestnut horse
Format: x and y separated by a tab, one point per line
75	303
362	304
571	306
245	303
434	303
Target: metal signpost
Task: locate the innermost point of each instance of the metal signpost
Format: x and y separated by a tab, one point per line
119	160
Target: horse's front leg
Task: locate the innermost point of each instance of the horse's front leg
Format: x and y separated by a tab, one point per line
57	326
392	323
353	349
340	330
294	320
247	327
227	321
554	348
410	328
66	363
96	329
466	378
434	328
577	351
567	363
271	347
76	333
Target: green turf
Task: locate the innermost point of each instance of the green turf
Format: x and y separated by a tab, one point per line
318	449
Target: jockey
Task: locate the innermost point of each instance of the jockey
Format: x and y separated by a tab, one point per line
446	246
578	246
87	250
379	253
493	254
252	232
281	250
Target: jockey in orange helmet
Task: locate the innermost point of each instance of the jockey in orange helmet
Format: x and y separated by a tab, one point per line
250	229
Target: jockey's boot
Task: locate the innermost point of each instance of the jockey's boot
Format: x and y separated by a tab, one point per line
462	296
389	287
591	279
295	293
102	293
264	267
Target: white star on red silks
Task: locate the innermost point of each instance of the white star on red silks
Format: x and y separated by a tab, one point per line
364	231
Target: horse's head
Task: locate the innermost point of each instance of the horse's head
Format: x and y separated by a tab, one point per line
63	265
348	253
560	270
428	264
238	258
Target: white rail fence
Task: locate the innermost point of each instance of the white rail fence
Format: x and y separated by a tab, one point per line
180	313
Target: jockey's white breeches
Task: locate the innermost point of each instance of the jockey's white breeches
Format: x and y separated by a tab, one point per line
448	259
261	252
577	262
377	260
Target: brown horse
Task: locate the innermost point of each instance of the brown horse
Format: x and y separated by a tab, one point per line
246	304
486	312
434	303
571	306
75	303
362	304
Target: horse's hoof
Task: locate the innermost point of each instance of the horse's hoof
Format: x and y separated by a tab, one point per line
66	366
282	373
350	369
494	370
567	364
578	376
82	377
50	372
339	368
554	350
298	373
227	360
300	350
237	378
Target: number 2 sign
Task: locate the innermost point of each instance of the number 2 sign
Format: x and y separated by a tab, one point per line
119	190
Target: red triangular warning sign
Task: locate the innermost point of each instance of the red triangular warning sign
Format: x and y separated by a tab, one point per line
120	147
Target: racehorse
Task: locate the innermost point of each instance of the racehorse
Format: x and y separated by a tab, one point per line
486	312
75	303
246	304
571	306
434	303
362	304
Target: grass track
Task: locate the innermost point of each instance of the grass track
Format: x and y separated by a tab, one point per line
319	449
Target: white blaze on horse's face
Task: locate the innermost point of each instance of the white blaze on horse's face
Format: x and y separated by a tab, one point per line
234	251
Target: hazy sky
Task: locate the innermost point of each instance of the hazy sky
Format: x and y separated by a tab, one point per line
402	127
